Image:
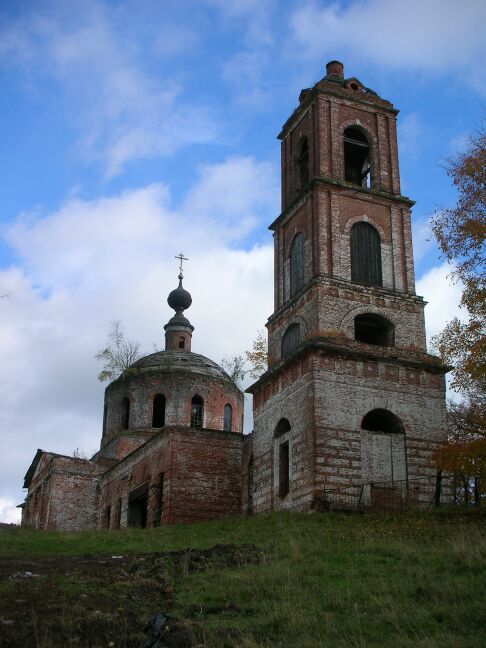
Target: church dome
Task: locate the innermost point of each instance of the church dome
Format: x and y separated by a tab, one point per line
177	361
179	299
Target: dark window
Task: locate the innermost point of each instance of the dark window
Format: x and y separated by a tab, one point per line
365	255
197	412
105	417
282	426
228	416
158	489
117	521
303	162
182	343
125	413
381	420
107	517
283	469
158	411
250	485
356	157
373	329
290	340
137	507
296	264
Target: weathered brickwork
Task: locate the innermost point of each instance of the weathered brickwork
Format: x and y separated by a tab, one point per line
351	398
63	493
201	478
355	408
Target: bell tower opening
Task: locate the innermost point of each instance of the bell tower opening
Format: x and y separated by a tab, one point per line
357	167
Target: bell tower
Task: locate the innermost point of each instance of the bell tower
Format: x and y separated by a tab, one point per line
349	378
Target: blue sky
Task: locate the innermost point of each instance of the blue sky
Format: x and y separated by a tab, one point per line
132	130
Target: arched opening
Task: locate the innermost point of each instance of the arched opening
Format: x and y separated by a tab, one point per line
297	264
384	454
357	168
125	413
158	411
303	162
373	329
227	417
290	340
365	255
182	343
197	412
282	454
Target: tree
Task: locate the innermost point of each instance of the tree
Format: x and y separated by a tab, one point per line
461	234
118	355
236	367
463	455
258	356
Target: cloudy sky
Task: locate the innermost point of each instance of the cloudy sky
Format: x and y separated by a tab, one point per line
132	130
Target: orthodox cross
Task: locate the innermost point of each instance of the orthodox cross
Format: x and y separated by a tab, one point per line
181	258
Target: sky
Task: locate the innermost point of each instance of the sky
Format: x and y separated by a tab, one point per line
133	130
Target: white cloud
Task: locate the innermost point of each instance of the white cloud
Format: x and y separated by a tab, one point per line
91	262
122	112
8	511
437	36
442	297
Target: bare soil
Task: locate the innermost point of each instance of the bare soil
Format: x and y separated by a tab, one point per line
103	601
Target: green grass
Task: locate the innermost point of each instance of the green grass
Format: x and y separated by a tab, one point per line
323	579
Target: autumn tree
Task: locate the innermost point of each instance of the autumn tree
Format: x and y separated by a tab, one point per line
254	364
463	455
461	232
118	355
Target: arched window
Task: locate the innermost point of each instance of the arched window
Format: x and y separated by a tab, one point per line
282	443
365	255
303	162
356	157
228	416
158	411
182	342
382	420
125	413
373	329
297	264
197	412
290	340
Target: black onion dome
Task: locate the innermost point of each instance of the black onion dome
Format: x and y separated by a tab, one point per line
179	299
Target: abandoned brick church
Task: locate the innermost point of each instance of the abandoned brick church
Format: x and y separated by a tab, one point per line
351	398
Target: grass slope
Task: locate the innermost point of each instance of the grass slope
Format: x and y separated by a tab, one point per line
278	580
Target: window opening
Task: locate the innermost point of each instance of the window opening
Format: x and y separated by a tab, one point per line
365	255
182	343
357	167
117	521
137	507
297	264
125	413
158	490
373	329
290	340
250	486
284	469
197	412
381	420
107	517
158	411
227	419
303	163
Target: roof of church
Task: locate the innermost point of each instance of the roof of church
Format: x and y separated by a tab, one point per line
167	361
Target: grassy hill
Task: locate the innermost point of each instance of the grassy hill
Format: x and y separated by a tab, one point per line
279	580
